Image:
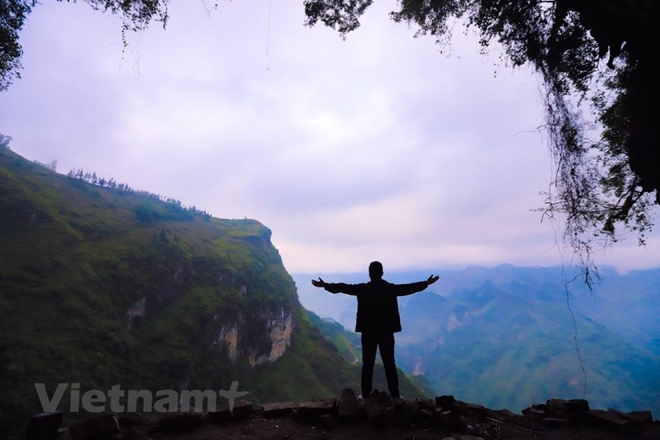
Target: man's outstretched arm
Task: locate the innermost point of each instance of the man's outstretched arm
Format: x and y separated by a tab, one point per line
318	283
350	289
409	289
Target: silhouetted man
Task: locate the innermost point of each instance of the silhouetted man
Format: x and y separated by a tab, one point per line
377	319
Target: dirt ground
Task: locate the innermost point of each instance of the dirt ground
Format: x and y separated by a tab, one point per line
403	423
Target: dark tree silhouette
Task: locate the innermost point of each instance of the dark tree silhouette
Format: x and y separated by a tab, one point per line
137	15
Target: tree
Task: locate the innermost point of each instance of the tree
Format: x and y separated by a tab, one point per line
4	141
599	184
137	15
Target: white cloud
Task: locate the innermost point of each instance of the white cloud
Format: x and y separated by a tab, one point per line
377	147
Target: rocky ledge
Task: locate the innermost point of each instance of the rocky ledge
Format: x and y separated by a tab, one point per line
348	416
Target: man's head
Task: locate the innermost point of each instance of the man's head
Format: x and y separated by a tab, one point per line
375	271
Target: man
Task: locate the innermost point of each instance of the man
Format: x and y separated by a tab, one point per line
377	319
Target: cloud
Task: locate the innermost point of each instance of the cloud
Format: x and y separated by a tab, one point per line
377	147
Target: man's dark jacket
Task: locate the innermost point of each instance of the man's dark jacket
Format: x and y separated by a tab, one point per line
377	309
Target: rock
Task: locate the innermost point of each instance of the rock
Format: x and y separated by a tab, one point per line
426	404
221	413
95	428
242	410
474	413
462	437
348	406
445	402
607	419
373	412
534	413
376	395
539	406
44	425
425	416
179	422
574	407
278	409
447	419
325	422
555	422
641	417
312	410
505	412
126	420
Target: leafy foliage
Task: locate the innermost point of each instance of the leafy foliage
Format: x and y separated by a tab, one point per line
599	184
137	15
101	286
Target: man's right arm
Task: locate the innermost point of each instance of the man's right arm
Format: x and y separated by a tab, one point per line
349	289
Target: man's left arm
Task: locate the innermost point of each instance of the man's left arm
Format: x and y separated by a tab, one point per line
409	289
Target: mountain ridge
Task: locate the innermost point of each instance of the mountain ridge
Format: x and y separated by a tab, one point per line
103	285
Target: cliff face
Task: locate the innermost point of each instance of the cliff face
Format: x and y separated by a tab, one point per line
279	328
101	286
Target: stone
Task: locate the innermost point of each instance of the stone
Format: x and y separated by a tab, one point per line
462	437
312	410
475	413
126	420
219	415
641	417
426	404
505	412
44	425
373	412
180	422
95	428
325	422
632	425
425	416
278	409
556	422
448	419
533	413
242	410
445	402
574	407
347	406
607	419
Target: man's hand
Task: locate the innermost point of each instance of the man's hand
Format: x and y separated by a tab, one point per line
319	283
432	279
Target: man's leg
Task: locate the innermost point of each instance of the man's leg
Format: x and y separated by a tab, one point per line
369	344
386	344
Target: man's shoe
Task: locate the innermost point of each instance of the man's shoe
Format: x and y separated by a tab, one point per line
398	400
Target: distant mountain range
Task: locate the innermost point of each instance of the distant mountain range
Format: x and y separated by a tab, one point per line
505	337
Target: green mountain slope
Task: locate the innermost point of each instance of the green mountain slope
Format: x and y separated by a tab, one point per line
103	286
504	350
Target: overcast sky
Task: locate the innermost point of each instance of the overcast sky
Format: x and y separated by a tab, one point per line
376	147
